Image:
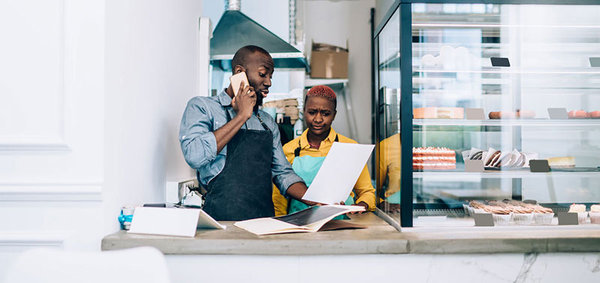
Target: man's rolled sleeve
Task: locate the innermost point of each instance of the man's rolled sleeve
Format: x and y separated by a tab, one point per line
198	143
282	172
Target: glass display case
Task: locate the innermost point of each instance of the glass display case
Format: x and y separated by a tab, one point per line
487	108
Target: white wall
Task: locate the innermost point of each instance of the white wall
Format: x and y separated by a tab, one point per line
51	125
151	72
91	97
334	23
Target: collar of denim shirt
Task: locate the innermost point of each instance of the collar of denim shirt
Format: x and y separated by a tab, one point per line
224	98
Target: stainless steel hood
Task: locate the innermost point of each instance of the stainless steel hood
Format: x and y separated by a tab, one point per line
236	30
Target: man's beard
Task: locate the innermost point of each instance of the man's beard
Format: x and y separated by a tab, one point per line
259	98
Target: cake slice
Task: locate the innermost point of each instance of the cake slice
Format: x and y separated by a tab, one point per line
562	162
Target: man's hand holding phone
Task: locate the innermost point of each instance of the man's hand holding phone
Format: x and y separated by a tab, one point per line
244	96
238	82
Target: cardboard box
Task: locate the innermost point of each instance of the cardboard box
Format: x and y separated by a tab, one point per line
328	61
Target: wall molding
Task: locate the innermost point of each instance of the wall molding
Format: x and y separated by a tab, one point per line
56	142
14	192
32	239
41	144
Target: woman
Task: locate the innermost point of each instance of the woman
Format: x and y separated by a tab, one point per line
307	152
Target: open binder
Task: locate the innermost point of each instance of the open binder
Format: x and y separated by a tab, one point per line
307	220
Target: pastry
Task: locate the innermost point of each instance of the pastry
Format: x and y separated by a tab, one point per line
594	114
577	208
438	113
497	159
504	159
493	159
502	115
541	209
436	158
577	114
595	214
528	156
561	162
476	204
580	210
525	114
477	156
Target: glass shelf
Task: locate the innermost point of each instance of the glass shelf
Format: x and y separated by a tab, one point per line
511	70
507	174
508	122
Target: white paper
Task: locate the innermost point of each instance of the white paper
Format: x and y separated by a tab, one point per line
170	221
207	222
339	172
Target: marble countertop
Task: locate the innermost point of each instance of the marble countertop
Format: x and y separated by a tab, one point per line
378	238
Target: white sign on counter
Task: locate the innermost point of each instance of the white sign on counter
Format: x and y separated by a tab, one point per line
171	221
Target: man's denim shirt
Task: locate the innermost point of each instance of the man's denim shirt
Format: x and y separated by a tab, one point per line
203	116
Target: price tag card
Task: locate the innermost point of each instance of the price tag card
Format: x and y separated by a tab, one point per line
474	166
540	165
475	114
558	113
567	218
483	219
500	62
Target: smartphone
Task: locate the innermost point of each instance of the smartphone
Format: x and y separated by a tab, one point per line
236	80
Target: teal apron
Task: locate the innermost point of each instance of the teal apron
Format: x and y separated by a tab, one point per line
307	167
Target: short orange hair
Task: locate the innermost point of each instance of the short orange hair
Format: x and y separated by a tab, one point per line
322	91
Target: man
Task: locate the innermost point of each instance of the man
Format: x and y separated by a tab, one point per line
235	148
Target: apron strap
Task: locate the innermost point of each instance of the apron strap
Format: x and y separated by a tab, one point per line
261	122
257	115
297	150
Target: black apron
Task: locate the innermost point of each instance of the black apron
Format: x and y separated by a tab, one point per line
243	190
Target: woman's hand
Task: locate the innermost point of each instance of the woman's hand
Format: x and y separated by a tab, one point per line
310	203
363	204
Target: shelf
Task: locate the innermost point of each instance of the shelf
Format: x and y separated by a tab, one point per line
507	122
498	25
512	70
436	80
308	82
508	174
